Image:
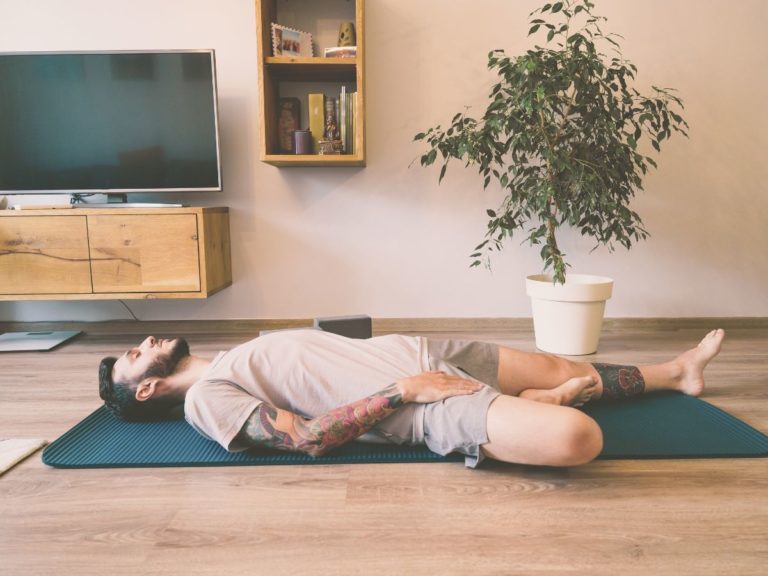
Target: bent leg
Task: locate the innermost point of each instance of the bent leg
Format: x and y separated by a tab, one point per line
520	370
525	432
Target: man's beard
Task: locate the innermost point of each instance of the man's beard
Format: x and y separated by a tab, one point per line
164	366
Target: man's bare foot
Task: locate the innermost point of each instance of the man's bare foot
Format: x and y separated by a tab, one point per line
692	362
573	392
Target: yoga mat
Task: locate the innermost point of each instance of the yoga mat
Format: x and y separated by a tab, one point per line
104	441
673	425
664	425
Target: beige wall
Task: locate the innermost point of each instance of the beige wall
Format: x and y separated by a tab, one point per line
386	240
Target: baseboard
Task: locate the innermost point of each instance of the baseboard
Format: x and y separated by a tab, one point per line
397	325
380	325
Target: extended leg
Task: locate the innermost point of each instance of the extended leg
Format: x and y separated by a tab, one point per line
541	377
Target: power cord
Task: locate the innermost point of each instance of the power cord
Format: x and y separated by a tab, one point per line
129	310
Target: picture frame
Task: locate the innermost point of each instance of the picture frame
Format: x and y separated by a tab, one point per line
291	42
288	121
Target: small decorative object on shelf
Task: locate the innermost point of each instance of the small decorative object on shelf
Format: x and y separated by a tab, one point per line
329	147
347	34
288	120
340	52
331	143
303	143
331	125
290	42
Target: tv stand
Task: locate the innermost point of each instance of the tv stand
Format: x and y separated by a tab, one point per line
114	253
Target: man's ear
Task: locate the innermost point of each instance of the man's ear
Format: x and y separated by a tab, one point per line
146	389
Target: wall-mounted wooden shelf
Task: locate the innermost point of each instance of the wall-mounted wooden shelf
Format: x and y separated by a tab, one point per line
317	69
281	76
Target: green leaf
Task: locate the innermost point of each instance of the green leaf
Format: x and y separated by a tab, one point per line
419	136
491	213
557	7
442	173
533	29
550	35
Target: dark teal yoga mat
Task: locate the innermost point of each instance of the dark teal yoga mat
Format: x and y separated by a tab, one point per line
664	425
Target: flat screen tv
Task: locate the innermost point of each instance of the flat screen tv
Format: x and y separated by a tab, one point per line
108	122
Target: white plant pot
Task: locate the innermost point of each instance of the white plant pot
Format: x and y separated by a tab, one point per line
567	318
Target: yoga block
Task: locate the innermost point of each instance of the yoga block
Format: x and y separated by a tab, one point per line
349	326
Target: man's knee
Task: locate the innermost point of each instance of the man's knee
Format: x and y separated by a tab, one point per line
525	432
582	440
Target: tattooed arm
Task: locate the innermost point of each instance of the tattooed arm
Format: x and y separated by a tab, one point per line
275	428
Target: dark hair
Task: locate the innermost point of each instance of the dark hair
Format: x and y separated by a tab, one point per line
120	397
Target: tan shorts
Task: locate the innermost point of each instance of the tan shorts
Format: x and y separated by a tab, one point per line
459	423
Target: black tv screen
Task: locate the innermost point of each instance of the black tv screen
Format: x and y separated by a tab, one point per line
108	122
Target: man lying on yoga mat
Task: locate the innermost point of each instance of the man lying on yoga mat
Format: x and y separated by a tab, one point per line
301	390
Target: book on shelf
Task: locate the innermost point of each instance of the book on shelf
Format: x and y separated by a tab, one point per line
316	104
353	124
343	119
347	114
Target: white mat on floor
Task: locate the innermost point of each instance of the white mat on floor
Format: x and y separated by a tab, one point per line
14	450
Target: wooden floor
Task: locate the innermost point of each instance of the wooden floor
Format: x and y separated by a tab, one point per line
608	517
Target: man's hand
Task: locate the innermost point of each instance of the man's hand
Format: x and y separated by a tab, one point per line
434	386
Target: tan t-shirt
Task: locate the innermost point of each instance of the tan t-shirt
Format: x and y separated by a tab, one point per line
308	372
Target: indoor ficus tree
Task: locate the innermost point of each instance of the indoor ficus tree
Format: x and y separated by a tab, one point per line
561	135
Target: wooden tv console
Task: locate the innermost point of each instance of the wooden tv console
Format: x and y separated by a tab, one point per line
114	253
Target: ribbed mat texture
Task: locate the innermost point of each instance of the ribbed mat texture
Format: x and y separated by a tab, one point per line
673	425
664	425
103	441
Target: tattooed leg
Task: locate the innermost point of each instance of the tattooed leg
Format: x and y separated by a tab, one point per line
545	377
619	382
684	374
